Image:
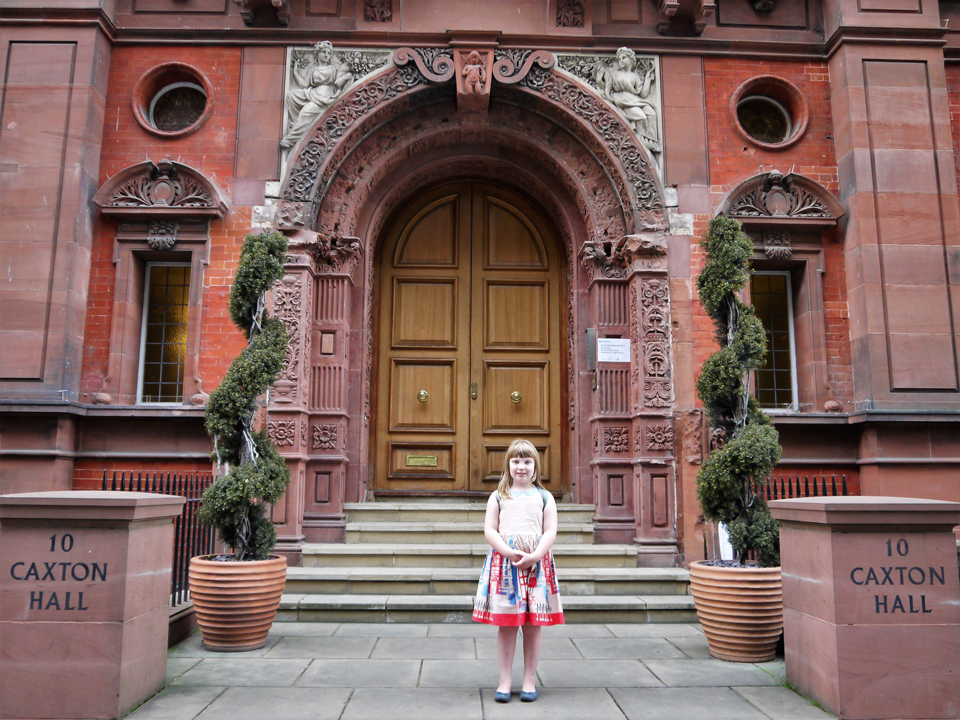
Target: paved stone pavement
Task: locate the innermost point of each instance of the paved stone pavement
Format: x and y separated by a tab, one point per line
350	671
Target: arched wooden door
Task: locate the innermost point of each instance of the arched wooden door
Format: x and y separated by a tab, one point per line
471	321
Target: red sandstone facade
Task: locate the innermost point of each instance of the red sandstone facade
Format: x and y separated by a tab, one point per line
859	205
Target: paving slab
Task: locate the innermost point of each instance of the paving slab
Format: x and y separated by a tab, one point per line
425	648
288	703
322	647
667	630
382	630
781	703
419	703
683	704
460	630
693	647
360	673
176	703
626	648
555	704
596	674
192	647
575	630
252	672
465	674
178	666
303	629
554	648
708	673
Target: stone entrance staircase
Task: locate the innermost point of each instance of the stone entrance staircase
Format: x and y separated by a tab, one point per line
419	561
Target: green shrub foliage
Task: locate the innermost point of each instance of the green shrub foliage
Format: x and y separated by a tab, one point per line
729	478
251	473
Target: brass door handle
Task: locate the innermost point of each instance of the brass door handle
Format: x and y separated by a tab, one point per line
473	391
422	396
516	397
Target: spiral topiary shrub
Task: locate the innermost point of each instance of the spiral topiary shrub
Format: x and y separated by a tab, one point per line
730	477
250	472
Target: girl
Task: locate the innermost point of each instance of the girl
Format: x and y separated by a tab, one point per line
518	583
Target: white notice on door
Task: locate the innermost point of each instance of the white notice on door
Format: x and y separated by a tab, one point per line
613	350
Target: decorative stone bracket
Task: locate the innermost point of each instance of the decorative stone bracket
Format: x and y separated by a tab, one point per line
248	9
336	255
699	12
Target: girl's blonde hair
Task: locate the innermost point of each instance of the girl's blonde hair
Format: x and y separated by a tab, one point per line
522	449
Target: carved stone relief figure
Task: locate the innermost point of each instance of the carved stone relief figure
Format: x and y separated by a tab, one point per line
629	84
318	77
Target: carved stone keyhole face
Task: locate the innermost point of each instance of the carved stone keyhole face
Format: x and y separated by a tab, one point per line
778	203
163	192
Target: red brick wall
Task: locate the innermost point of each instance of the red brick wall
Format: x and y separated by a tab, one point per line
733	160
209	150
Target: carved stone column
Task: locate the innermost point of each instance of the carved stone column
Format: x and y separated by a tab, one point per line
318	386
632	420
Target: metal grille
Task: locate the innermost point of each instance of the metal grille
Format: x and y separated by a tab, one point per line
190	536
770	295
165	333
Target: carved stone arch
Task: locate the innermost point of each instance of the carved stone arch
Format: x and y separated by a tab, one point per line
772	198
424	77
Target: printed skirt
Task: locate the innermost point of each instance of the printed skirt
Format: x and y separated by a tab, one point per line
513	597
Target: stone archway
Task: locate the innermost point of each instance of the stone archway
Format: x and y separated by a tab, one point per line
408	127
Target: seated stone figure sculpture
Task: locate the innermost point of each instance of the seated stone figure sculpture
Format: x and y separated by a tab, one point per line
322	78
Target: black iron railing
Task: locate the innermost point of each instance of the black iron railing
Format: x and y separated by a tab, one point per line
783	487
190	536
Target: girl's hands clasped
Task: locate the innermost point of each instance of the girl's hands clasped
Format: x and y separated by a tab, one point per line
526	561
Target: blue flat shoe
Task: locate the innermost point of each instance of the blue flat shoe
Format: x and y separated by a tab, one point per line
502	697
528	696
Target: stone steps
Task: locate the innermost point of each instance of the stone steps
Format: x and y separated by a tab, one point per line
458	608
416	560
447	532
463	581
469	555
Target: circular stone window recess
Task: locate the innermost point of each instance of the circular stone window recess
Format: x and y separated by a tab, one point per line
172	100
769	112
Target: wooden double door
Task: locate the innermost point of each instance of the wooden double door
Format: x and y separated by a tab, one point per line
471	320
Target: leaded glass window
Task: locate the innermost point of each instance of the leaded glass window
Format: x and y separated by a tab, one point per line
776	382
164	338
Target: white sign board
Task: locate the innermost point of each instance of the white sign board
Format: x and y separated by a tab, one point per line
613	350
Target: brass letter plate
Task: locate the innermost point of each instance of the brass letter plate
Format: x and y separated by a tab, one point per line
421	460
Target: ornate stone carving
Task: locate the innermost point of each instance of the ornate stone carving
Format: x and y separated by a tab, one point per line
325	437
693	436
298	192
318	77
248	10
162	234
303	434
160	191
435	64
596	440
616	135
512	66
570	13
336	255
378	10
474	76
286	307
776	244
630	85
655	328
282	432
616	439
778	196
718	437
660	436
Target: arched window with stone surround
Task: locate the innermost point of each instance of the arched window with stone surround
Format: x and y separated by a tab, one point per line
789	218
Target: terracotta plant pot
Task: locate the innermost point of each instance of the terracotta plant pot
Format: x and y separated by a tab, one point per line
741	610
236	602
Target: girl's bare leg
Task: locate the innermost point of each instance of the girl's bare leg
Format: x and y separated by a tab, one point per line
532	640
506	647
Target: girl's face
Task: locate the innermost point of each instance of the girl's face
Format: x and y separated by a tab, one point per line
522	469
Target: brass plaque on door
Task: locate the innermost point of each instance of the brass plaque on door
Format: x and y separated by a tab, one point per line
421	461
